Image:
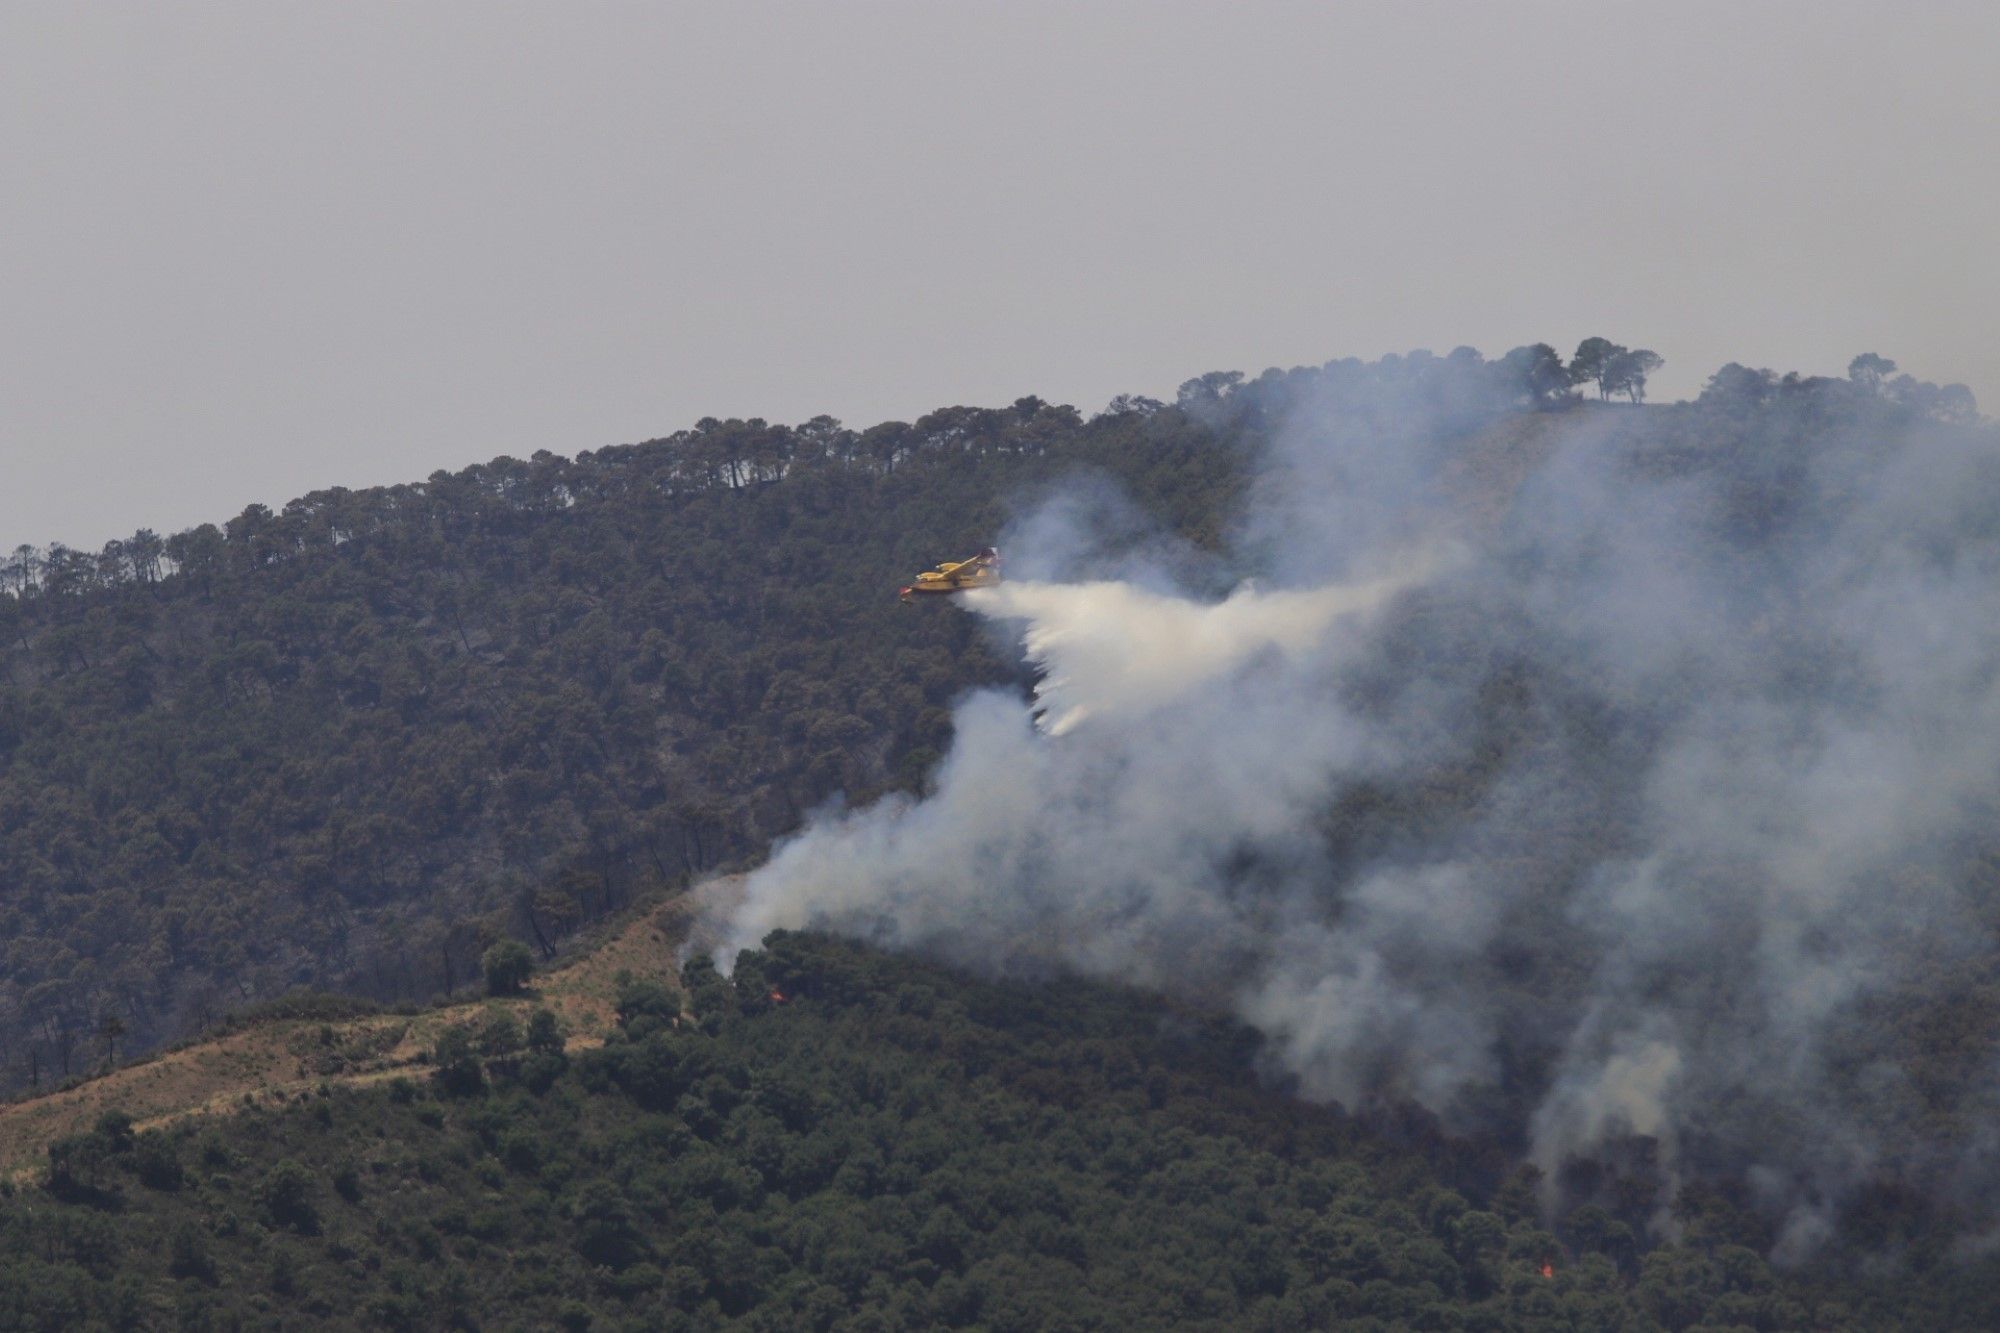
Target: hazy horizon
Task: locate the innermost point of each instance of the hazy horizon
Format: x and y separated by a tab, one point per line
260	252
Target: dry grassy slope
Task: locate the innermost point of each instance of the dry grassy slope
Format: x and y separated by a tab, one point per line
283	1061
1493	465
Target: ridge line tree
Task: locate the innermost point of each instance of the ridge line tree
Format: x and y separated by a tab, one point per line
1613	368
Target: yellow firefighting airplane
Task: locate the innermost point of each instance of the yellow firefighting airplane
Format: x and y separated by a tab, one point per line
981	571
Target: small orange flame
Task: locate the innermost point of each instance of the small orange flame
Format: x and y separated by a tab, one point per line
1548	1269
777	997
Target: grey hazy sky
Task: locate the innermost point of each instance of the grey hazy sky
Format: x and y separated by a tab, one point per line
250	250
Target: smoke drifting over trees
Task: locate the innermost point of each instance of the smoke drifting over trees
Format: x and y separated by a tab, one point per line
1620	782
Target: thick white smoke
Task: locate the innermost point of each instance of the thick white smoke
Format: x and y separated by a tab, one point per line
1635	818
1053	842
1111	649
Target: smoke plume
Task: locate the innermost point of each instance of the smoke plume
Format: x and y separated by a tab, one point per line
1591	777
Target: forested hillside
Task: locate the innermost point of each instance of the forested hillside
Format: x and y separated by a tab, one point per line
346	744
836	1139
351	744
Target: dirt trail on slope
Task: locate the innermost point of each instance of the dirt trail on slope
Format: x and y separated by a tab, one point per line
290	1060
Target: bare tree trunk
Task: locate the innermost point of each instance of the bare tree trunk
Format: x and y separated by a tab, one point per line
548	950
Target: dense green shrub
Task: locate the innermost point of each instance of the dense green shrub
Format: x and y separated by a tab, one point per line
507	966
836	1161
